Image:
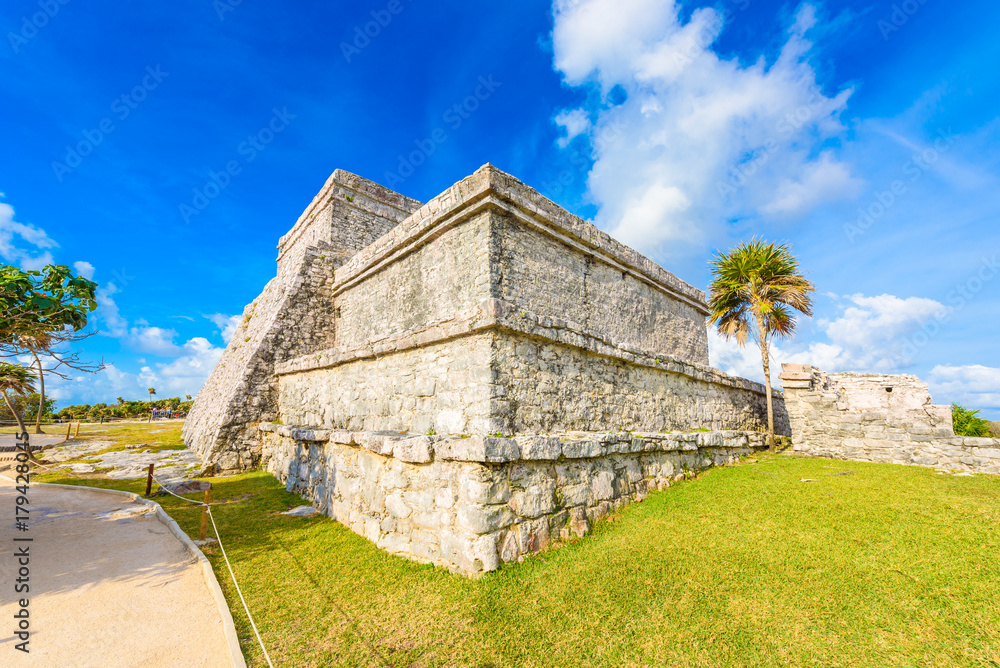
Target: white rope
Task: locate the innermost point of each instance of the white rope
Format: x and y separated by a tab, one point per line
164	489
208	508
233	576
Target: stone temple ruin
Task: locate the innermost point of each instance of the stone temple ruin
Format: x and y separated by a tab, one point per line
466	380
876	417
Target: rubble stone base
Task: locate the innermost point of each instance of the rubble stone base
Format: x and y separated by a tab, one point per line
473	503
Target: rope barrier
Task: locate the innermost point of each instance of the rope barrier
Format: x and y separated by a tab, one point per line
218	538
236	584
232	575
164	489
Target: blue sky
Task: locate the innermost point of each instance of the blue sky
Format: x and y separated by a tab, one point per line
864	133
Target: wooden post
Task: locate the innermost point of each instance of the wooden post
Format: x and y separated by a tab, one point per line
69	425
77	431
149	480
204	514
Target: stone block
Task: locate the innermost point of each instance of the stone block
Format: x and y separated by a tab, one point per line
425	551
539	447
484	519
428	519
394	542
376	442
486	449
578	523
988	453
535	500
422	499
602	486
575	495
396	506
416	450
489	491
582	448
183	487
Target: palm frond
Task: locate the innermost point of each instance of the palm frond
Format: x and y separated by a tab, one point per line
16	379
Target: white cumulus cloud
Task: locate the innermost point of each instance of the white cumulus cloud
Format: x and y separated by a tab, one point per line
153	340
22	244
84	269
973	385
698	139
868	334
575	122
227	324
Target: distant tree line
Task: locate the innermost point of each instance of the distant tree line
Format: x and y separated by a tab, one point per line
94	412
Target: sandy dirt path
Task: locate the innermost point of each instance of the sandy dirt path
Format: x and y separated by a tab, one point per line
110	586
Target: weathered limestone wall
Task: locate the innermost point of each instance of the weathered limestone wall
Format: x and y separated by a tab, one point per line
878	418
584	333
538	272
349	213
442	386
471	504
548	386
292	316
488	309
434	282
486	378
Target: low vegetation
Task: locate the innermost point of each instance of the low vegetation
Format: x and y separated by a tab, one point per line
968	423
779	561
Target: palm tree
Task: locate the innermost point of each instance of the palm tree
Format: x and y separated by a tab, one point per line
19	380
151	391
120	401
754	289
187	397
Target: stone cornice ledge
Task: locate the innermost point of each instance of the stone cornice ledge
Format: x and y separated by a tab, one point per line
500	314
419	449
490	187
374	197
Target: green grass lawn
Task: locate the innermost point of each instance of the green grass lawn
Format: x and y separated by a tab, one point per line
744	566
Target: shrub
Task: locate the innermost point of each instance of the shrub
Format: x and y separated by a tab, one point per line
967	423
995	429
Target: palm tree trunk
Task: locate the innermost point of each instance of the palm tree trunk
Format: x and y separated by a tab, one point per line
20	423
765	357
41	395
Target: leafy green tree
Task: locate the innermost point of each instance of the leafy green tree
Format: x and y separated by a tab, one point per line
755	288
40	313
35	303
968	423
27	403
